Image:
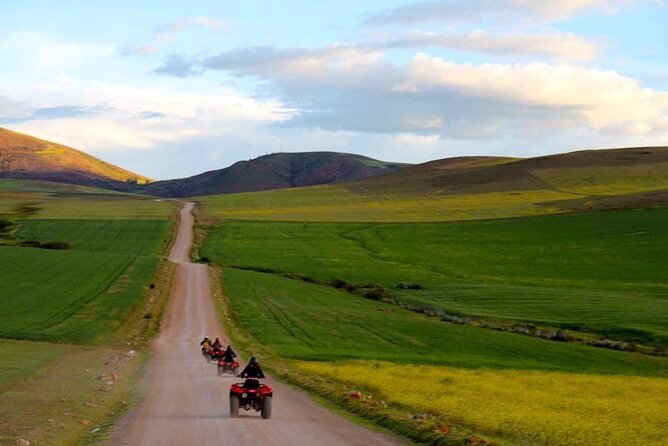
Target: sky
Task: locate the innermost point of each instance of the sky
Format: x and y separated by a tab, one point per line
169	89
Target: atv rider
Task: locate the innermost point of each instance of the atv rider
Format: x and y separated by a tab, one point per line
217	345
253	373
229	355
206	343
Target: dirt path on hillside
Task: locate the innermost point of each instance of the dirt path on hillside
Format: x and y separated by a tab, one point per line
186	403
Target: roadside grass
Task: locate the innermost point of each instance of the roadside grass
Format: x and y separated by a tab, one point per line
20	361
601	272
297	320
529	407
60	393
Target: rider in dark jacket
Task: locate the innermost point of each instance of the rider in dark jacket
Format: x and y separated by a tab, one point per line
217	345
253	373
229	355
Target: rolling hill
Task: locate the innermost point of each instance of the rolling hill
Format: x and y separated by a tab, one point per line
471	188
594	172
25	157
275	171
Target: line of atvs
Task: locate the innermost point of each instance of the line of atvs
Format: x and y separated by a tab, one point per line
248	395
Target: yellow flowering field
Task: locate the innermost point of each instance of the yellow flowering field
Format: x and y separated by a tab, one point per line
530	407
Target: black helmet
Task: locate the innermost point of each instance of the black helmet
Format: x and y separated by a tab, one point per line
253	360
229	347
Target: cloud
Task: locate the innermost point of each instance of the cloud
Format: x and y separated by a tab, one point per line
166	34
177	65
356	88
466	11
603	98
11	110
34	54
562	46
106	117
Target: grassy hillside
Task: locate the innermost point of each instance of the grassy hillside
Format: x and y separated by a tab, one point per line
23	156
275	171
470	189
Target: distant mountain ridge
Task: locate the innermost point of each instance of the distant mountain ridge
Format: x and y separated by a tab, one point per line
26	157
275	171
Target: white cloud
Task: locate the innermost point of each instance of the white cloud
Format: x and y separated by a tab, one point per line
166	34
123	117
463	11
561	46
33	54
604	98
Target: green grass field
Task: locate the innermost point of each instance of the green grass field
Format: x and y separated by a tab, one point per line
68	295
133	237
84	293
339	204
56	200
298	320
602	272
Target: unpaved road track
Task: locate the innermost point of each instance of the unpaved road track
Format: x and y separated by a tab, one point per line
186	403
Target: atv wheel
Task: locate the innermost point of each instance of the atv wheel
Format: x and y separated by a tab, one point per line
221	370
234	406
235	371
266	408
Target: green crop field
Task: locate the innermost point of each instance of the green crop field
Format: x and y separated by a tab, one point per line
512	388
55	200
339	204
69	295
298	320
602	271
84	292
135	237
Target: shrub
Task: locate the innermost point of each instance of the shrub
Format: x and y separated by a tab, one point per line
56	245
47	245
409	286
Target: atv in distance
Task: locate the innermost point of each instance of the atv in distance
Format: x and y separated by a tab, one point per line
228	367
207	353
251	395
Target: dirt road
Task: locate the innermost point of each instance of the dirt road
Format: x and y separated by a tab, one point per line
186	403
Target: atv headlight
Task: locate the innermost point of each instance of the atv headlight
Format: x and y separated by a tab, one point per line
244	395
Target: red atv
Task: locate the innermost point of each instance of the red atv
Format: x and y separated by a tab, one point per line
216	355
251	395
228	367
